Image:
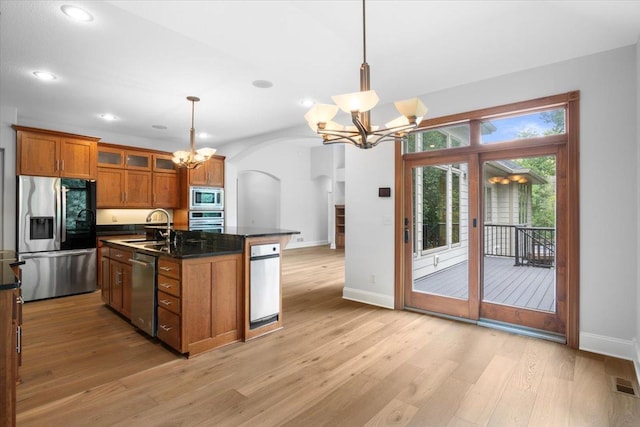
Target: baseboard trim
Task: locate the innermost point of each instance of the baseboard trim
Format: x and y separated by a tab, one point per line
615	347
367	297
608	346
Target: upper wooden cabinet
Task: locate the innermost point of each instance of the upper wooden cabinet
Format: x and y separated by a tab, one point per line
134	178
163	163
210	174
110	156
48	153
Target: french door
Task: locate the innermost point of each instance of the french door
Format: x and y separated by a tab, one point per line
489	217
482	237
440	237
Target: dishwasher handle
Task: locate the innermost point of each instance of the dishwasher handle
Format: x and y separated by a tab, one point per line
142	263
260	257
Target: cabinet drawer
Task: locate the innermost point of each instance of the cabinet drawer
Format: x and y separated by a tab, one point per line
169	302
169	328
120	255
168	285
169	268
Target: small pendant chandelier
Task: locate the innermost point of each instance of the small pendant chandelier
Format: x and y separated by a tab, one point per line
193	158
358	104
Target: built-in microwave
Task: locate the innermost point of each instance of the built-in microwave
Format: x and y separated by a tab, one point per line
206	198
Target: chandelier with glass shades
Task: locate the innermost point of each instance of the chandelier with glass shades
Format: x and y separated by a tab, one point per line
358	104
193	158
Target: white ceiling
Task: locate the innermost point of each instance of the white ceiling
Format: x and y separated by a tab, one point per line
140	59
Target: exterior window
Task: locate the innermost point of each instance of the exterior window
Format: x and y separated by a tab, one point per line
523	202
437	139
488	205
531	125
441	201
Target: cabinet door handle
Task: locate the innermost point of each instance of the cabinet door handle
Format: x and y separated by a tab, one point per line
166	268
19	339
165	327
118	255
165	302
166	285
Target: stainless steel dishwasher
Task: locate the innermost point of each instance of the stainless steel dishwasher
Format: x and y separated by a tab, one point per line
264	299
143	292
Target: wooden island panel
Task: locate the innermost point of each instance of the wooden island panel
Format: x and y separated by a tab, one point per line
201	307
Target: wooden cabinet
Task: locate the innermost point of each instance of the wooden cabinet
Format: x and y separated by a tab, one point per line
210	174
104	279
120	275
166	192
200	302
135	179
10	340
163	163
49	153
340	226
122	188
120	157
138	189
169	302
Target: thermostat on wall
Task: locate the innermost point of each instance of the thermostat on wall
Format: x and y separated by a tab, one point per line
384	192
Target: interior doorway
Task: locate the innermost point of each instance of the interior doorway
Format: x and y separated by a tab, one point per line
259	199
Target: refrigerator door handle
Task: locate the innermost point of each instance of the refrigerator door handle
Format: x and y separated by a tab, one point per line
63	221
56	254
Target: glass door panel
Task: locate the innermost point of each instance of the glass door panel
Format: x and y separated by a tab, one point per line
438	238
519	241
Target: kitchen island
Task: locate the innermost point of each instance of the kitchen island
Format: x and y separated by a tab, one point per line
203	284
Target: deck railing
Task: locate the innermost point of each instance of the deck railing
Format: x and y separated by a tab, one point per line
530	246
535	246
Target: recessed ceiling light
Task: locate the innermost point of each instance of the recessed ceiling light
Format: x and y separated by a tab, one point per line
262	84
159	127
77	14
307	102
108	117
44	75
203	135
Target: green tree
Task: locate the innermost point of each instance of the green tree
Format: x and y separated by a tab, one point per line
543	197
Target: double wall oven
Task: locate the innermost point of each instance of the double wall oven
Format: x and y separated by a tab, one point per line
206	209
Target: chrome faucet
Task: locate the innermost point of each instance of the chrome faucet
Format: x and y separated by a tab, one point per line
167	236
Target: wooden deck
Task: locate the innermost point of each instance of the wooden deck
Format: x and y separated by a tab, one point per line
504	283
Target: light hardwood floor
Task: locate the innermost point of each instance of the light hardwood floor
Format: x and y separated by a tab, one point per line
335	363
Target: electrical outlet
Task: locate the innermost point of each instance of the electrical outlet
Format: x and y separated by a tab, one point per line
114	218
372	279
300	239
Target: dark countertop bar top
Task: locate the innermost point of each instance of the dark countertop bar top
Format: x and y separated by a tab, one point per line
8	261
257	231
189	248
197	244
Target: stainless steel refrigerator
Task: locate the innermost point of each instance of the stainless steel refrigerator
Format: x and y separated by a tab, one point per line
56	236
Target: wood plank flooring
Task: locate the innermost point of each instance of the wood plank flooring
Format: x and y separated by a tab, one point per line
335	363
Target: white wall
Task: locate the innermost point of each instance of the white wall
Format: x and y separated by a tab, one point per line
609	211
303	198
8	171
637	352
259	199
369	232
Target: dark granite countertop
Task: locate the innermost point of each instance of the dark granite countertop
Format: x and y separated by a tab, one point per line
8	279
185	248
257	231
188	244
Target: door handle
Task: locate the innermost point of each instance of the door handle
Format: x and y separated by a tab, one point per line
407	234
